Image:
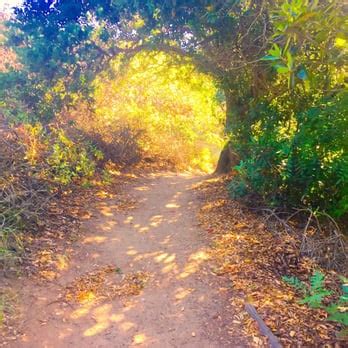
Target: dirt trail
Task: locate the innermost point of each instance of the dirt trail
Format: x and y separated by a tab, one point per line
181	306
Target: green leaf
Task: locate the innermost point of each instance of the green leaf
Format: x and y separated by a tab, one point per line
282	69
275	51
345	289
315	300
332	308
296	283
317	281
270	58
290	60
340	317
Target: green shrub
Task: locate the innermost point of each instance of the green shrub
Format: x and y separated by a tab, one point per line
315	294
71	160
302	162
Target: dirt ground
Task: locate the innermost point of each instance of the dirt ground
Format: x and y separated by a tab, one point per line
182	305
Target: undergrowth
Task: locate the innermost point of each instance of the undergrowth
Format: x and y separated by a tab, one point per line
316	295
35	165
299	163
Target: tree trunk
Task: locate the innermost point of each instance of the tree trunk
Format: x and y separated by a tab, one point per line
228	158
224	164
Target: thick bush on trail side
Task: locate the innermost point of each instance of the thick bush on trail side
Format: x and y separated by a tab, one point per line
24	195
306	165
65	154
120	146
293	139
34	164
69	160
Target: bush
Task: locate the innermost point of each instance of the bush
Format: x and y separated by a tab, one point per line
34	163
316	294
24	194
62	157
120	146
69	160
305	164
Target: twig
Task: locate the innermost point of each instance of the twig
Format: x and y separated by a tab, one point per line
326	244
264	329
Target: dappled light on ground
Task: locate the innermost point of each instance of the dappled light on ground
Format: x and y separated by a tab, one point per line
96	239
193	263
139	339
139	277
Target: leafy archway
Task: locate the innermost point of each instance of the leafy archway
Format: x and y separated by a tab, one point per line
280	65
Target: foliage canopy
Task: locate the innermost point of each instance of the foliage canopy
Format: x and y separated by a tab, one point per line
280	64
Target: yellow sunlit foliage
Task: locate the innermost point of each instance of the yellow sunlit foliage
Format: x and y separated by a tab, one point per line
173	106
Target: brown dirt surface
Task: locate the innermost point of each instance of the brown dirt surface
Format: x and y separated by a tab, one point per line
139	274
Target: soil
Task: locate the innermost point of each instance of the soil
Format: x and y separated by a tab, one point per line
182	305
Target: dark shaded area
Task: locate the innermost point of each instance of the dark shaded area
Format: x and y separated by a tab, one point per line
227	160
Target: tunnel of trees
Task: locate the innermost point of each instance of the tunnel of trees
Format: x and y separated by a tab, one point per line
279	64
